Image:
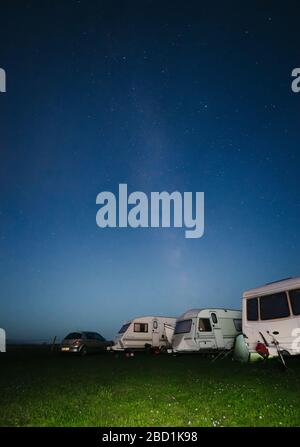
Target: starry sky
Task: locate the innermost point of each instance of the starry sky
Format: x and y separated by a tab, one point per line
173	95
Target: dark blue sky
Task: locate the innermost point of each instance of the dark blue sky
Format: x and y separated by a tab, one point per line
161	96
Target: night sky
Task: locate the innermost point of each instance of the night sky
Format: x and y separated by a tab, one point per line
187	96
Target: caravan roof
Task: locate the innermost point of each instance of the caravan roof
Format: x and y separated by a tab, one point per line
148	316
192	313
274	287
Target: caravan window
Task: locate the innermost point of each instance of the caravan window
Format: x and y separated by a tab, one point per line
183	327
274	306
295	301
204	325
214	318
237	324
252	309
140	327
124	328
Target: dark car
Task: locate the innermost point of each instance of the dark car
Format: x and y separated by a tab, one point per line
84	342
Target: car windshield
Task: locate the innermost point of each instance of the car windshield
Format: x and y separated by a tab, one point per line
183	326
124	328
73	336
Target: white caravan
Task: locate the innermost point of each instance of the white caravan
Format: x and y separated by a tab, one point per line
145	332
206	330
271	317
2	340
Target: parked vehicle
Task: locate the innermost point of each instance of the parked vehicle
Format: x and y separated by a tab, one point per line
84	342
145	332
271	318
2	340
206	330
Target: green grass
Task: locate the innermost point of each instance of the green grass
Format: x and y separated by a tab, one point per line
39	388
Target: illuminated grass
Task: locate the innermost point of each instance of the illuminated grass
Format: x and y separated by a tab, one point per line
39	388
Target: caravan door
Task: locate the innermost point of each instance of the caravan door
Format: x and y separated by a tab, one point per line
205	338
155	333
217	331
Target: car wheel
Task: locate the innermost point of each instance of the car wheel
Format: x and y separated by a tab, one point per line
83	351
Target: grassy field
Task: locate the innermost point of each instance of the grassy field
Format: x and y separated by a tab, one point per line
40	388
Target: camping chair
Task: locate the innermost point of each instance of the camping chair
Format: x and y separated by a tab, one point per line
223	354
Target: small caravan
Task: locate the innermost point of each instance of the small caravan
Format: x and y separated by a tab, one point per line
206	330
145	332
271	317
